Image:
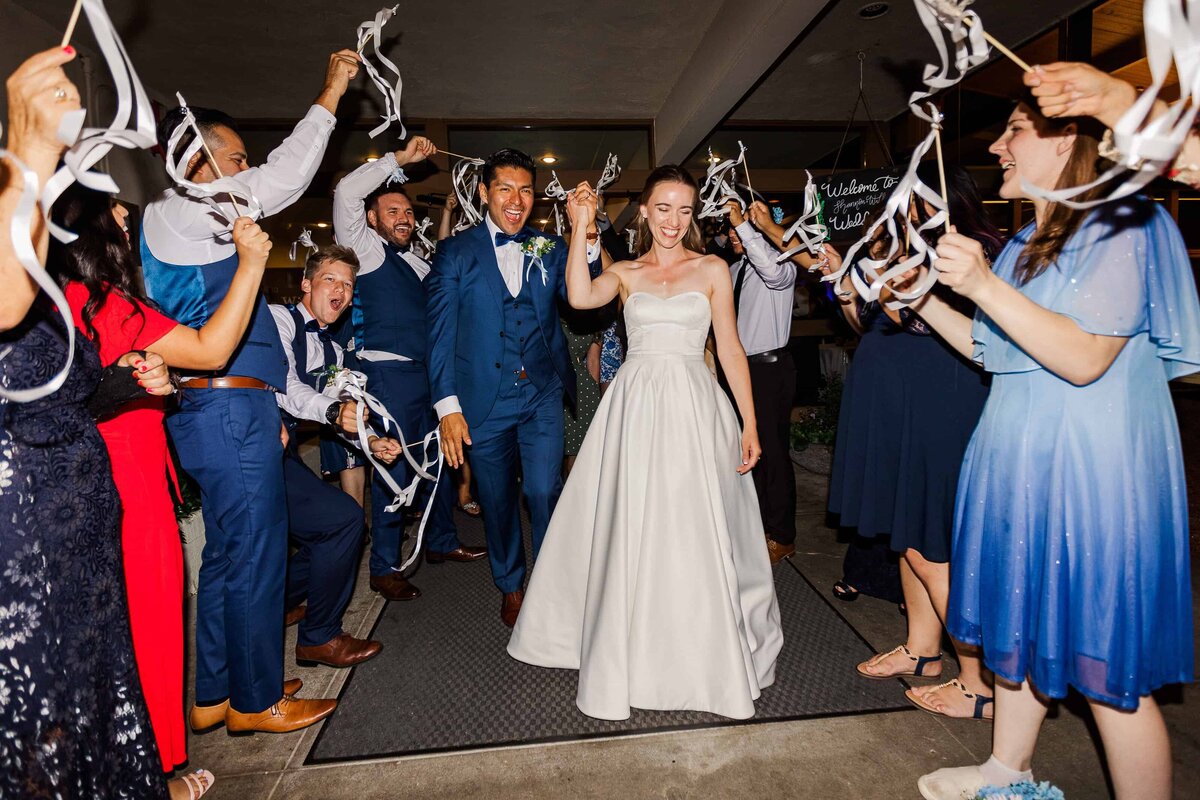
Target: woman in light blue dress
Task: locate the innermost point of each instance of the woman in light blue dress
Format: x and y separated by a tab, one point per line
1070	555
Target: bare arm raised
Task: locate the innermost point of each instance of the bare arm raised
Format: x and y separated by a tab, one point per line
582	290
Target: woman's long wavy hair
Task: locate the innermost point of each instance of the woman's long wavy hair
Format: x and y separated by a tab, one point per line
668	173
100	259
1061	221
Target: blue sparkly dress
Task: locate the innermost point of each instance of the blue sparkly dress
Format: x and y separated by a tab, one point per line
1070	559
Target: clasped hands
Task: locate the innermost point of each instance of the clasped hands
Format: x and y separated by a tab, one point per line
383	448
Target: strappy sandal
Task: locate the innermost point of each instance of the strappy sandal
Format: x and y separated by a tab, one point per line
197	783
919	663
981	701
845	592
471	509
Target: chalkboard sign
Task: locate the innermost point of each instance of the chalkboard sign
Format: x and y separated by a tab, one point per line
849	199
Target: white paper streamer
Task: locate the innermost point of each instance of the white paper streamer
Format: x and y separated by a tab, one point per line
808	228
21	233
132	126
612	171
875	270
631	238
427	244
371	32
1148	147
352	385
464	176
554	189
305	238
719	186
177	164
556	212
968	45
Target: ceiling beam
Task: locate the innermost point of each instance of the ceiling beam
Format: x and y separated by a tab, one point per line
745	39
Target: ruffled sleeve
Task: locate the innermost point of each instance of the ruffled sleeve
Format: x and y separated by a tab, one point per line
1126	271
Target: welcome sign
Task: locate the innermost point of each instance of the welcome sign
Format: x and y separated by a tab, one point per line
850	197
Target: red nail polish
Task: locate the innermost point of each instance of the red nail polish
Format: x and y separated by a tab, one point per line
69	50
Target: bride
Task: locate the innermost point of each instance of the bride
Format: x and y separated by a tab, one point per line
654	580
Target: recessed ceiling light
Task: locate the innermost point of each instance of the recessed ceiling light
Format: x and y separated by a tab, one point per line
322	224
713	158
543	222
372	158
549	159
874	10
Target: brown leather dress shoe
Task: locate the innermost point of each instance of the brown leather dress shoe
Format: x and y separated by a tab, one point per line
294	615
393	586
203	719
287	715
342	650
511	607
779	551
461	553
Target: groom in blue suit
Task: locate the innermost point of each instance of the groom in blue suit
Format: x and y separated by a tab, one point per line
498	362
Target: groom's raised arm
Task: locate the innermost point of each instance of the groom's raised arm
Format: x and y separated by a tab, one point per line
441	307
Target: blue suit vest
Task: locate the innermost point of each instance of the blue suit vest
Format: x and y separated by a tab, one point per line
389	309
191	293
524	346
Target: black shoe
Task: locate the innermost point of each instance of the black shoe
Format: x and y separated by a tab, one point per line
845	592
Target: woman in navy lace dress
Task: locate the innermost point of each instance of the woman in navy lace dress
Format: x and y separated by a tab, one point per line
72	719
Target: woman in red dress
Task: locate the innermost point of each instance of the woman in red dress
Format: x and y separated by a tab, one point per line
102	288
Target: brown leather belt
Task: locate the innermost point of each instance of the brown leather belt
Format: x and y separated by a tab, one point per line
228	382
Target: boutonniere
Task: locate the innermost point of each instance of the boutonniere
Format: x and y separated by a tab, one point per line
329	373
535	247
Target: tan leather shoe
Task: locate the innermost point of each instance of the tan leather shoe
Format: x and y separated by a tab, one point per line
462	554
778	551
510	607
287	715
203	719
342	650
294	615
393	586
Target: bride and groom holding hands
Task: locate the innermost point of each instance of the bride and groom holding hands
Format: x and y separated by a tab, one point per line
652	575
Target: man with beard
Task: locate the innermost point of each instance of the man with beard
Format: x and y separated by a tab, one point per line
373	216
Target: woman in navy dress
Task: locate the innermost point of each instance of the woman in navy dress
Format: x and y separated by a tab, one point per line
908	409
1070	564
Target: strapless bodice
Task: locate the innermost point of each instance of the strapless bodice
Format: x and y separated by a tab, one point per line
675	326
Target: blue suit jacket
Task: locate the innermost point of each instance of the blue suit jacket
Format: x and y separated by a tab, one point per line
465	301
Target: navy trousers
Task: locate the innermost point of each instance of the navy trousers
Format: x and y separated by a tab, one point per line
326	526
523	431
228	441
403	388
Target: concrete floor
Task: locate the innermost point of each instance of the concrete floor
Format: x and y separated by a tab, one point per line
871	756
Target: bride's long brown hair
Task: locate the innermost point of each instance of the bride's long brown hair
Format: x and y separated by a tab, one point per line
1061	221
668	173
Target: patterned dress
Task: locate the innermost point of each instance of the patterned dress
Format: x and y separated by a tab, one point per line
72	719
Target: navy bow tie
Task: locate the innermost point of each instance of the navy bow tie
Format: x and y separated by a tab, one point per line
312	326
520	237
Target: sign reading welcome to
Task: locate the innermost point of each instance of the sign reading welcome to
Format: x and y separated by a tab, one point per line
850	197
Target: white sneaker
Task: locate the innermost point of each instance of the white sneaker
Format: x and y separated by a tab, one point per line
952	783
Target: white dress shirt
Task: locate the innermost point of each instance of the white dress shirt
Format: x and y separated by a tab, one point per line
301	400
182	229
764	310
350	229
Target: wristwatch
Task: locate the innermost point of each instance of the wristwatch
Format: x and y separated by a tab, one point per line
333	413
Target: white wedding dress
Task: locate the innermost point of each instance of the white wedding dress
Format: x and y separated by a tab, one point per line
653	580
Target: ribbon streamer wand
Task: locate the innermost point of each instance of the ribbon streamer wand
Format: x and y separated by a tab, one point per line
746	170
937	143
950	10
212	162
457	155
71	24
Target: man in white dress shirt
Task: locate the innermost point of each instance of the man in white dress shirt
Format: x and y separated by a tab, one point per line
227	430
763	298
373	216
325	523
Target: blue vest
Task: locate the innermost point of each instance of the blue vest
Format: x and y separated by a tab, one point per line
389	309
191	293
524	346
300	357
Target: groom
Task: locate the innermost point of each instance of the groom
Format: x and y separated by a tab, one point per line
498	361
